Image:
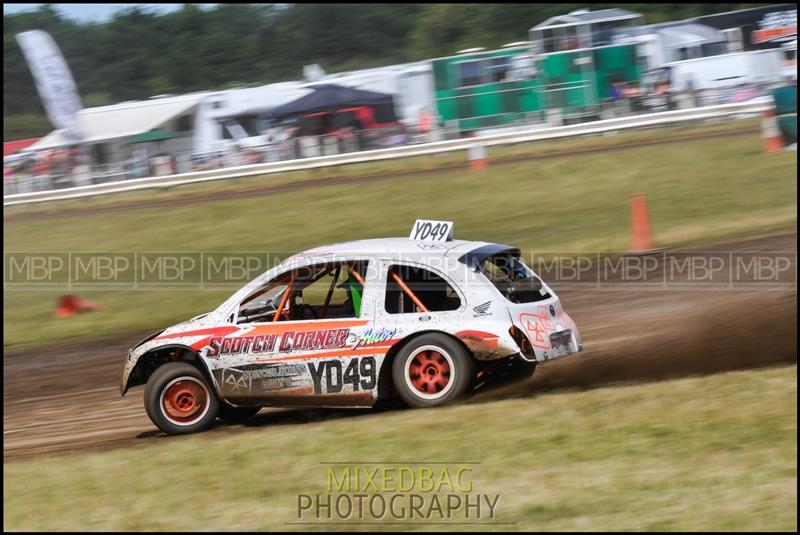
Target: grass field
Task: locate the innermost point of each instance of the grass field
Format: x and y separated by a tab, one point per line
709	453
697	190
407	165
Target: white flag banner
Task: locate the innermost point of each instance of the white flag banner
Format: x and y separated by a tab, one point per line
53	80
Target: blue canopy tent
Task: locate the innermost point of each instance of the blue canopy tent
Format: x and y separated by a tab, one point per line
331	97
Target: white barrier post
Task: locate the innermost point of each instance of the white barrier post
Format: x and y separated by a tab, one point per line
330	145
477	158
309	147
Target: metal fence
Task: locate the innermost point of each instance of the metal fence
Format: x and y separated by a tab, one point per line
36	178
293	148
23	184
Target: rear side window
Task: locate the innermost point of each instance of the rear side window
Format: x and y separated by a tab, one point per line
514	279
414	289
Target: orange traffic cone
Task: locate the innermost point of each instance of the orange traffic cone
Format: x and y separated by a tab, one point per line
770	133
640	224
69	305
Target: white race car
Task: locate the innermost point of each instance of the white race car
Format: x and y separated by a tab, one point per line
428	318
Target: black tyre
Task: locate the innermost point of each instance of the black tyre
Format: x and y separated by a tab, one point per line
432	370
234	415
179	400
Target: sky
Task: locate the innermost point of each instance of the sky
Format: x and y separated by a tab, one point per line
93	12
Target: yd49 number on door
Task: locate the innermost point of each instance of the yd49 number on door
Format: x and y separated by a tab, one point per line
330	376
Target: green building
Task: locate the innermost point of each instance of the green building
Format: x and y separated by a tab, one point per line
480	89
568	66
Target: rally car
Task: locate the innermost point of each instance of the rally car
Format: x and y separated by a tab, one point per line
427	318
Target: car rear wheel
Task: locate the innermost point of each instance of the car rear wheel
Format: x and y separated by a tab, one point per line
432	370
179	400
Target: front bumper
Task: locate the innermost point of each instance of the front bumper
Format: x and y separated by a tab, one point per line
126	372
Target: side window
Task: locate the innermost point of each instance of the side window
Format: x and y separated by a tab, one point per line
321	291
415	289
548	41
498	68
469	73
184	123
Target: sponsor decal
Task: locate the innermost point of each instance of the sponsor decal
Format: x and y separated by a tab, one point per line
269	372
537	326
241	345
371	337
234	381
482	309
778	26
289	341
301	341
261	378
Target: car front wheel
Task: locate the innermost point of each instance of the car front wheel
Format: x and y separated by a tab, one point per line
432	370
179	400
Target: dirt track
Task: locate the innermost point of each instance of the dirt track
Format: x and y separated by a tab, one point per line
66	397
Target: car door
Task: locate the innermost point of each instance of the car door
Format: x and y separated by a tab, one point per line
307	347
417	297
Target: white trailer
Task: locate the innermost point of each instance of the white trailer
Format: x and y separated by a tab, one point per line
716	72
230	118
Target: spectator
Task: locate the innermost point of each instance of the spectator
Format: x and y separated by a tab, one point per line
631	90
633	94
661	100
615	92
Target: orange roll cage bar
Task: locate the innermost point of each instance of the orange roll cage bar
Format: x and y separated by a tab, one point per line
356	274
360	279
284	298
408	291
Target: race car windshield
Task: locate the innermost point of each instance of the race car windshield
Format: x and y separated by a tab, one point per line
513	278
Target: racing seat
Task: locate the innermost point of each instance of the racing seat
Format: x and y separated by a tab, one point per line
351	308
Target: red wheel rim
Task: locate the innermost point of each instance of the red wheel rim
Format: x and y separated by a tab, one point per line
184	401
429	372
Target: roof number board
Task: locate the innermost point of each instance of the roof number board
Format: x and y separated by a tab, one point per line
432	231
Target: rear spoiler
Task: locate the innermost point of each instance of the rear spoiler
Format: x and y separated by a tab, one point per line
476	257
